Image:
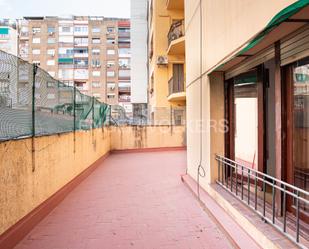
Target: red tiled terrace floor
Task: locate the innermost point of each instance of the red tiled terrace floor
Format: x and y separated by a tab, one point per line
132	200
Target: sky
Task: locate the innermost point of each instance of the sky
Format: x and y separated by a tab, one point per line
108	8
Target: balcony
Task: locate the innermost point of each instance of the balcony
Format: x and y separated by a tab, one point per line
176	39
176	91
175	4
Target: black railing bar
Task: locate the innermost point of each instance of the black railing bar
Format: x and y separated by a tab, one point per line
270	183
223	160
290	237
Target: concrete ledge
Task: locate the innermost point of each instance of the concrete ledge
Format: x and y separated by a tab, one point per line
234	231
160	149
17	232
262	233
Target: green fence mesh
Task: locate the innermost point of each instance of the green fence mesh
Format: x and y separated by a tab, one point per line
32	103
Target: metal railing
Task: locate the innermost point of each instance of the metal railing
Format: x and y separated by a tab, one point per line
253	187
175	87
176	31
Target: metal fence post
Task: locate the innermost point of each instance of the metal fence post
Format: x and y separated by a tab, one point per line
74	117
35	68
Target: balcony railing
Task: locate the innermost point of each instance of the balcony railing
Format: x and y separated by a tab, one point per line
252	188
176	31
175	87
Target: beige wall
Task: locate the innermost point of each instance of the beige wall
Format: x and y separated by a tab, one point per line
226	26
147	137
57	161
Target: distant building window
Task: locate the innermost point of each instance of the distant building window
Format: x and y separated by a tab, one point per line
110	73
36	51
50	62
110	51
124	52
65	29
96	84
96	51
51	52
111	86
110	64
51	96
81	28
96	73
110	40
110	29
36	30
36	40
96	30
51	30
96	63
51	40
51	85
96	41
110	95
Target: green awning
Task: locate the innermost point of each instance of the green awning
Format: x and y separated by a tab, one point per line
4	31
65	60
278	19
282	16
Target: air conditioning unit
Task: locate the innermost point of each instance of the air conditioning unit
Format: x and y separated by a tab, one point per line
162	60
50	33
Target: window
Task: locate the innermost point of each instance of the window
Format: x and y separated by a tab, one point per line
36	40
124	63
124	52
96	51
96	63
96	30
110	73
124	73
96	41
110	40
110	29
65	52
51	40
96	84
51	96
81	41
50	62
65	29
81	29
36	30
96	73
111	86
66	39
110	64
51	84
111	95
51	52
124	30
51	30
110	51
36	51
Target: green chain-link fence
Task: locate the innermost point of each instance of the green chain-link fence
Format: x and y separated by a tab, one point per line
32	103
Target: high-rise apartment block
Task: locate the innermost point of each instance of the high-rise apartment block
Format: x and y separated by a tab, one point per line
8	36
91	53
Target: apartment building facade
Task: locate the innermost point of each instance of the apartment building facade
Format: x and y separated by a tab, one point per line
247	112
8	37
166	43
139	65
91	53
